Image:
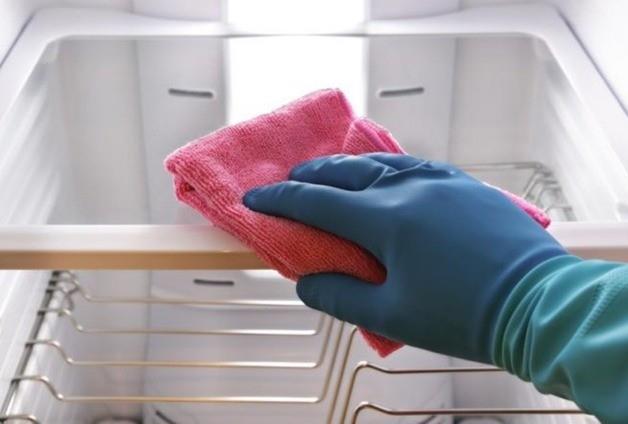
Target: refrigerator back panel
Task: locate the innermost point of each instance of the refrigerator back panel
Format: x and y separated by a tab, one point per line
124	105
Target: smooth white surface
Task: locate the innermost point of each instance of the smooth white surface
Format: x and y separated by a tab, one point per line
290	67
406	62
27	160
15	14
169	120
600	25
395	9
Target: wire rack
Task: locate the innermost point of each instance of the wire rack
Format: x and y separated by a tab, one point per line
341	374
533	181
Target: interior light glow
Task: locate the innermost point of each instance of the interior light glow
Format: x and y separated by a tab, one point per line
266	72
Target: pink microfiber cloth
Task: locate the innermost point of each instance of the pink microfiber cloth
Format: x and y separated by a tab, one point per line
213	173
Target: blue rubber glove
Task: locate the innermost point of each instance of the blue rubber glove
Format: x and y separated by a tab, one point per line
453	247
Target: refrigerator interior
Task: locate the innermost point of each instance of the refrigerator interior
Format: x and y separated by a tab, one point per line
84	144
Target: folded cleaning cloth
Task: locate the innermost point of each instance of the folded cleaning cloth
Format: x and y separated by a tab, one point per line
212	174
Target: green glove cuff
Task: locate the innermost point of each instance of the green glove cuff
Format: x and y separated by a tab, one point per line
564	317
509	339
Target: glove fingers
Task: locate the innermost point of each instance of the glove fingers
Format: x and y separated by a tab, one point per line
425	168
344	297
397	161
327	208
347	172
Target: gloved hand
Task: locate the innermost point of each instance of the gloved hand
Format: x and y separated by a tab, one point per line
453	247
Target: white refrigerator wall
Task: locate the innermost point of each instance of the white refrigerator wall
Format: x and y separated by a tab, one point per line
601	27
600	24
